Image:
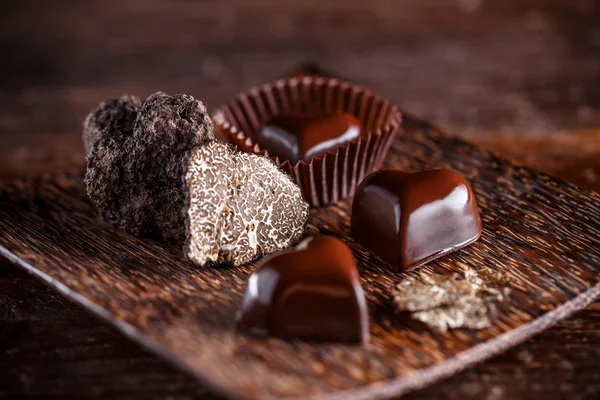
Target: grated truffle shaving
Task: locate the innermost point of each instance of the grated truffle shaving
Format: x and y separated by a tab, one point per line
135	179
241	206
449	302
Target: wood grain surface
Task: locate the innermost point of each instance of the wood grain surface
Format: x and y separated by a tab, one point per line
517	77
52	349
540	231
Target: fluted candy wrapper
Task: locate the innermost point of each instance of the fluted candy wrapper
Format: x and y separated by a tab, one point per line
335	175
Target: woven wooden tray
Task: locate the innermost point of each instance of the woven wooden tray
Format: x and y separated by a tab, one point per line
542	232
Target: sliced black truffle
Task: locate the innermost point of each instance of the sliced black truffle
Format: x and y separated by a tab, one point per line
240	206
113	118
136	182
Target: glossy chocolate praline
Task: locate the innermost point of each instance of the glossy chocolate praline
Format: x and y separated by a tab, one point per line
408	219
311	292
297	136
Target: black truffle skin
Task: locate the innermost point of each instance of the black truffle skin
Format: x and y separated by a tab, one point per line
112	118
137	183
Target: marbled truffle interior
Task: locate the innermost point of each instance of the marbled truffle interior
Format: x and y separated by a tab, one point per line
240	206
154	168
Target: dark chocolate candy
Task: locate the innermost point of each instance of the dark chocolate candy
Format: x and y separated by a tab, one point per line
310	292
296	137
409	219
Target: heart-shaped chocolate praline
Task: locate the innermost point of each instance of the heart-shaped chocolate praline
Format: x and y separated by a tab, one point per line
409	219
310	292
303	136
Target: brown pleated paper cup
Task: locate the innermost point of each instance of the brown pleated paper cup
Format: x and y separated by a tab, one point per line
335	175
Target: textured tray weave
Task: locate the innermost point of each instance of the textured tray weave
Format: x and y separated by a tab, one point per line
542	232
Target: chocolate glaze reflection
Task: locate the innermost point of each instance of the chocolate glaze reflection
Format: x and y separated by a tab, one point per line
408	219
296	137
311	292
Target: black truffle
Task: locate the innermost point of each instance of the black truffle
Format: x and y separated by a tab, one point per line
136	180
239	206
112	118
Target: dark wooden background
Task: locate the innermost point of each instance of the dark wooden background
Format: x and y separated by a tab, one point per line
518	77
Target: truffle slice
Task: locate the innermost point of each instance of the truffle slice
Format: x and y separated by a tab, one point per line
409	219
113	118
311	292
240	206
136	180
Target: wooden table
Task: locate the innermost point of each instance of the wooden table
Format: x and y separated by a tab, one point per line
518	77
